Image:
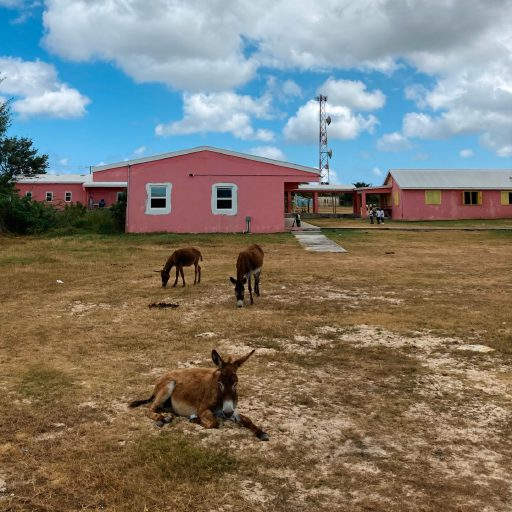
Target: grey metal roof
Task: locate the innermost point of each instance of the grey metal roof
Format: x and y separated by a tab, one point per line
280	163
53	178
453	178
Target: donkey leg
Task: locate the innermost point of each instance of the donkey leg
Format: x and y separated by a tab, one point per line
198	274
177	274
247	423
257	283
208	419
250	288
182	275
155	410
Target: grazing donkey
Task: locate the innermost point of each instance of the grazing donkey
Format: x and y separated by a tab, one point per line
179	259
249	262
201	394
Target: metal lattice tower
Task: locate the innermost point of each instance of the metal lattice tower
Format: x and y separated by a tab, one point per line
324	153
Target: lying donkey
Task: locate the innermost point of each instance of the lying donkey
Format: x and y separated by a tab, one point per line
202	394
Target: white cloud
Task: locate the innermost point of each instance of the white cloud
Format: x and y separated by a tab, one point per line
352	95
224	112
140	150
38	91
268	152
345	98
376	171
394	142
466	153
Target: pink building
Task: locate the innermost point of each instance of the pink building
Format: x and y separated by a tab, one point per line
443	194
201	190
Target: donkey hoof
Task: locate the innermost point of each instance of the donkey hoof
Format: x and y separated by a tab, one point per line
263	436
160	423
167	420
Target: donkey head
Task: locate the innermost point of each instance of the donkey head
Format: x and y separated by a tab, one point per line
239	290
165	277
228	380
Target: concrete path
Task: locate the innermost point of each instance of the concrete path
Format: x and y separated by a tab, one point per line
315	241
311	238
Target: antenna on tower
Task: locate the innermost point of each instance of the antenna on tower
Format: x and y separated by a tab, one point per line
324	153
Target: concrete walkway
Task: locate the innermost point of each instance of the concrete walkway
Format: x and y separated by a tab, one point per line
311	238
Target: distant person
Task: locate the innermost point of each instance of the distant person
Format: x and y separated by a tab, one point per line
371	214
380	215
102	203
91	203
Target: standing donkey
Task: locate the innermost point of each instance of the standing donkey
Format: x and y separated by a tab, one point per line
202	394
179	259
249	262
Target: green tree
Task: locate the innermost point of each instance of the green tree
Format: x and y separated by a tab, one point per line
18	157
361	184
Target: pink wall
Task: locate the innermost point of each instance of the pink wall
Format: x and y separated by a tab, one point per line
59	189
260	193
412	206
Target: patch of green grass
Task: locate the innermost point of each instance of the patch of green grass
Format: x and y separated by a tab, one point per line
174	457
44	383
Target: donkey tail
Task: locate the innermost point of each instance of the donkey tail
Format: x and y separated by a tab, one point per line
138	403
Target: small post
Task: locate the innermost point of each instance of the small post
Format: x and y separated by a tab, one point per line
248	224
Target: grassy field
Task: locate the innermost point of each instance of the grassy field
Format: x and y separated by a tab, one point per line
383	375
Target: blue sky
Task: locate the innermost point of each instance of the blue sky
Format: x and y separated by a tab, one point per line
410	83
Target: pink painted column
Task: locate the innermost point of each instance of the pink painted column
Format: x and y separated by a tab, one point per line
315	202
355	204
363	204
289	201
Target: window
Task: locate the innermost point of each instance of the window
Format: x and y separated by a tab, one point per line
28	195
120	196
432	197
158	200
472	198
49	197
224	199
67	197
506	197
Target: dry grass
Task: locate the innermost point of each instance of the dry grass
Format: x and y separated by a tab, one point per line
383	375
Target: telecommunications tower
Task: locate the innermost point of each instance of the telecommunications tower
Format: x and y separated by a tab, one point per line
324	153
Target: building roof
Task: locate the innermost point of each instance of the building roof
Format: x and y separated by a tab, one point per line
452	178
153	158
53	178
326	188
78	179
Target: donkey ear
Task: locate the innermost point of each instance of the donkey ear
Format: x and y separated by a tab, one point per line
233	280
241	361
217	359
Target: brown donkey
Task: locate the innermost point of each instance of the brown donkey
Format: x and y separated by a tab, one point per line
179	259
201	394
249	262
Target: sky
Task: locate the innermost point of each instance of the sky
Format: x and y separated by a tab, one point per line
410	83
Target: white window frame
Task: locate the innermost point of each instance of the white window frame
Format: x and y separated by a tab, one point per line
66	200
234	199
51	197
158	211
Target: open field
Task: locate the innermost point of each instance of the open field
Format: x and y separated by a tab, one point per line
382	375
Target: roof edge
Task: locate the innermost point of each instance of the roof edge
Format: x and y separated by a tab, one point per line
198	149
